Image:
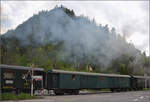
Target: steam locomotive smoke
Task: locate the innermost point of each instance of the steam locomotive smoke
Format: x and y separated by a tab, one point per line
80	36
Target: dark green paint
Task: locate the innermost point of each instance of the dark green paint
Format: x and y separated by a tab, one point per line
66	81
0	81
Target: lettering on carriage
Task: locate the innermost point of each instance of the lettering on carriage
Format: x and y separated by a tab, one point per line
9	81
102	78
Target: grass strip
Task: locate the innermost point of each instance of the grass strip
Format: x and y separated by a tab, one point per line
10	96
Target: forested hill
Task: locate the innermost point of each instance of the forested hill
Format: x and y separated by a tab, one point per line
59	39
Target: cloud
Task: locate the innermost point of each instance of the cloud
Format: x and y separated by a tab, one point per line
16	12
141	41
2	30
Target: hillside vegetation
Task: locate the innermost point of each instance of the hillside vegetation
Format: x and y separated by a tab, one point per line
61	40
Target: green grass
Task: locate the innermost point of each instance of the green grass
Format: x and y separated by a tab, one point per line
10	96
25	96
146	89
91	90
107	90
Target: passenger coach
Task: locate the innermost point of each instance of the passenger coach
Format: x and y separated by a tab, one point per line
71	82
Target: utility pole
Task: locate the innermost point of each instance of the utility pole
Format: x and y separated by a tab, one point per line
32	66
145	75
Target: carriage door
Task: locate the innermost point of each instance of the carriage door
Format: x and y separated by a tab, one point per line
55	80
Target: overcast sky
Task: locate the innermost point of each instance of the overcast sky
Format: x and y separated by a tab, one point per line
131	19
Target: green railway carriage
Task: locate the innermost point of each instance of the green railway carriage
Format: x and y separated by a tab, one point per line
16	79
0	82
148	82
13	78
71	82
140	82
63	81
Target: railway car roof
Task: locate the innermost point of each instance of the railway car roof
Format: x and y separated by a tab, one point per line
88	73
142	77
20	67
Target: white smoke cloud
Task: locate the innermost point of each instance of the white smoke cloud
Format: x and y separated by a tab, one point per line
118	14
81	37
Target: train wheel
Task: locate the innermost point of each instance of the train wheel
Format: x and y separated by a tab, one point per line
121	89
75	92
125	89
112	90
129	89
118	90
58	92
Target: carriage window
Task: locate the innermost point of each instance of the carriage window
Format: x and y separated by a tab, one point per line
101	78
73	77
9	75
55	76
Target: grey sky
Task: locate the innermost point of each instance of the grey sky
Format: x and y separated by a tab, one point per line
131	19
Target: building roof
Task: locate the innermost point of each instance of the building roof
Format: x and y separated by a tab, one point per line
88	73
19	67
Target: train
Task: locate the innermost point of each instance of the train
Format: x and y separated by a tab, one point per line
19	79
